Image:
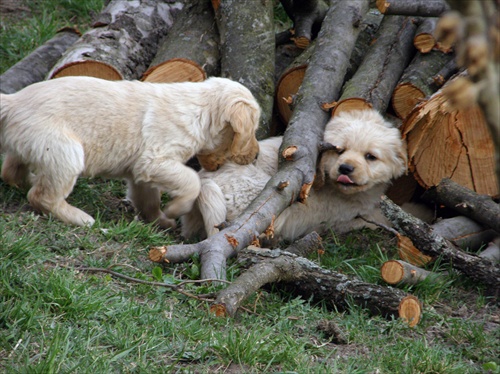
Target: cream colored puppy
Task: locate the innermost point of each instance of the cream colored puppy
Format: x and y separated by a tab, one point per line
55	131
349	182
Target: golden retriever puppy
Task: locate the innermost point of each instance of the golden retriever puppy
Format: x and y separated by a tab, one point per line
350	180
55	131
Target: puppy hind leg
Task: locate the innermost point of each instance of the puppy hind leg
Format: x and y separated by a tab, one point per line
14	171
48	196
147	199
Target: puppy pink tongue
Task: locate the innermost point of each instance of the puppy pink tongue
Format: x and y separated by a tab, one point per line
344	179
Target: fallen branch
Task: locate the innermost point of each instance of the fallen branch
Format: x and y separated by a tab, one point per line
422	8
322	83
397	271
422	235
302	277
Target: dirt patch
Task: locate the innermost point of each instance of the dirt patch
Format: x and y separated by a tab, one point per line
13	9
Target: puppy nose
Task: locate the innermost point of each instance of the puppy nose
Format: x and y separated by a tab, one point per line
346	169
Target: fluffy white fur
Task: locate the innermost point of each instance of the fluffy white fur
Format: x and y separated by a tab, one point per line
349	181
57	130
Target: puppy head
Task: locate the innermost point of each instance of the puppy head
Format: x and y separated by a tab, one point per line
369	152
237	121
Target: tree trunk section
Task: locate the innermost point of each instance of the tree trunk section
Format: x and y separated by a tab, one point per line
397	271
190	50
376	78
322	83
421	8
246	31
414	84
458	138
122	42
464	232
427	241
304	278
481	208
34	67
424	40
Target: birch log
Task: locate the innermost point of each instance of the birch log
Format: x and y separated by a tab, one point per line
122	42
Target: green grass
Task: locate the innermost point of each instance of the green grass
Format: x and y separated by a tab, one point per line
38	21
57	318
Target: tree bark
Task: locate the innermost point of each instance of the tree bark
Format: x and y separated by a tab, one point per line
492	251
304	278
322	83
34	67
377	76
481	208
307	16
430	243
122	42
444	74
190	50
414	85
246	31
421	8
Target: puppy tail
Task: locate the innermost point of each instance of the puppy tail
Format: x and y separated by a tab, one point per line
211	205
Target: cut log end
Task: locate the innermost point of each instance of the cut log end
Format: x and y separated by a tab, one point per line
287	87
301	42
404	98
410	310
88	68
407	252
350	104
424	42
157	254
175	70
383	5
392	272
219	310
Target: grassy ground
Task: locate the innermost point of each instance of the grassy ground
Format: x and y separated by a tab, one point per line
55	318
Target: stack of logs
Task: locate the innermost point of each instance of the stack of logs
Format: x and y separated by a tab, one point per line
397	67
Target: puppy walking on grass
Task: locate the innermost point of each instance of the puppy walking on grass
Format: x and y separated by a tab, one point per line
52	132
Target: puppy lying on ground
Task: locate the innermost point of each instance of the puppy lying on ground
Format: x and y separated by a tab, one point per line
349	181
57	130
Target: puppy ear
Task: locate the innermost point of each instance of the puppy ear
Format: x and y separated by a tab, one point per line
244	119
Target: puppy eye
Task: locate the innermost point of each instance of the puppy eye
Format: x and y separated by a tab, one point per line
370	157
339	150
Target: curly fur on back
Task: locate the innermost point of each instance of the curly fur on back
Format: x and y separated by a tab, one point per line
349	181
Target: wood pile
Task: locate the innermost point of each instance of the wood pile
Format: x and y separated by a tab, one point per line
398	58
